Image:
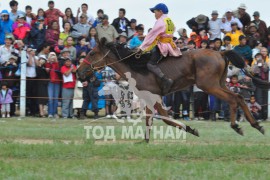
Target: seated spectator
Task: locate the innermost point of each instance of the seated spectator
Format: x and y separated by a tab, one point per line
122	38
226	26
81	28
132	29
217	44
214	26
243	49
5	100
67	31
198	23
65	54
195	38
14	13
227	44
137	40
98	20
92	38
69	80
234	85
42	85
180	44
252	35
53	14
121	23
106	30
261	26
52	34
40	13
5	26
21	28
191	45
72	49
256	49
82	47
255	108
234	34
90	19
29	15
244	17
6	49
60	46
52	67
182	32
69	17
44	49
204	44
38	33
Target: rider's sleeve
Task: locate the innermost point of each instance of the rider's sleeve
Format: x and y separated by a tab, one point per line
158	28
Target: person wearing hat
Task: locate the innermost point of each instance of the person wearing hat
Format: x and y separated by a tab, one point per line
65	53
261	25
160	42
41	85
252	35
105	30
122	38
137	40
14	13
21	28
5	26
6	49
229	18
53	14
68	71
243	49
38	33
214	26
121	23
81	28
198	23
132	28
244	17
234	34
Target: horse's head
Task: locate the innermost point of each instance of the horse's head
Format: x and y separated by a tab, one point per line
96	59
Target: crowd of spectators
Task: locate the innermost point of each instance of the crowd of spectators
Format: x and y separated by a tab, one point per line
53	57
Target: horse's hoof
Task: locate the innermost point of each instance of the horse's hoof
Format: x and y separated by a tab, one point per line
237	129
196	132
261	129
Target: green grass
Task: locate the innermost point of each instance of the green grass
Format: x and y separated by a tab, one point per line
218	154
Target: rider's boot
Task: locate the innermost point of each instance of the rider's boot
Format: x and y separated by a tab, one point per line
166	84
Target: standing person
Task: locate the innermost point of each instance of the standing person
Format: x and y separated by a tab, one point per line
14	13
69	81
244	17
67	31
93	38
200	104
81	28
52	34
5	100
198	23
5	26
229	19
98	20
106	30
234	34
182	32
7	49
214	26
38	33
53	14
21	28
132	29
40	13
69	17
261	26
160	41
52	67
90	19
121	23
29	15
137	40
71	48
243	49
31	83
42	85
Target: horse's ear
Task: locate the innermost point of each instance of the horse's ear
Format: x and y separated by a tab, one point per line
103	42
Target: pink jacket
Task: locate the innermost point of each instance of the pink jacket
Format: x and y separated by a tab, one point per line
161	35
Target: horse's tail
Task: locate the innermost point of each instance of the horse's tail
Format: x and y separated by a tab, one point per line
238	61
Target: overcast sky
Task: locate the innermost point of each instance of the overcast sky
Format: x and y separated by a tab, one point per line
179	10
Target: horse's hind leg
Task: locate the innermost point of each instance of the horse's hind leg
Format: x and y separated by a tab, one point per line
149	123
229	97
170	122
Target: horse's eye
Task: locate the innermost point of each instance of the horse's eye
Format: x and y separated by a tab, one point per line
92	53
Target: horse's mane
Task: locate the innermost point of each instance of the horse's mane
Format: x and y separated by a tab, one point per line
121	51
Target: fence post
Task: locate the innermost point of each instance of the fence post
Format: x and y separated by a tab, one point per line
23	84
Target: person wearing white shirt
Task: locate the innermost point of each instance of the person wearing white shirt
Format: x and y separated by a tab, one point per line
6	50
214	26
84	8
226	26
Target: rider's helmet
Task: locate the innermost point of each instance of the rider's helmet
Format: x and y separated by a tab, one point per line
162	7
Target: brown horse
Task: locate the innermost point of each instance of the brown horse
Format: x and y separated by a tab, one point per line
205	68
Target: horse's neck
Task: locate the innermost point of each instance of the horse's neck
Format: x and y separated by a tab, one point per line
121	68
